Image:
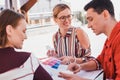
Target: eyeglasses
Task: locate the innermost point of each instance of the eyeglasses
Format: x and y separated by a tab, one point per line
63	18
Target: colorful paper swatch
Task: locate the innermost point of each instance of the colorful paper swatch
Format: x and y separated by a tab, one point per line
53	62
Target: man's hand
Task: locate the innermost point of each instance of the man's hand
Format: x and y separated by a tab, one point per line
74	67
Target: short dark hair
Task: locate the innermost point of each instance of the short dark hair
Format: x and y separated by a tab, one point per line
8	17
100	5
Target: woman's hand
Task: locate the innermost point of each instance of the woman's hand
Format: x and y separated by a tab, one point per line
51	53
64	59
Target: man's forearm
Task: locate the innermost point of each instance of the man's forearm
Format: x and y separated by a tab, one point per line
90	65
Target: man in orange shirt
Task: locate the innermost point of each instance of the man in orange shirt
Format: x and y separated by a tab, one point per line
101	19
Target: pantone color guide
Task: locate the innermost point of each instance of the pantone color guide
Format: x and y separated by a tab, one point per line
53	62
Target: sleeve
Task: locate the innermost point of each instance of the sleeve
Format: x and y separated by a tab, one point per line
55	42
41	74
99	60
98	65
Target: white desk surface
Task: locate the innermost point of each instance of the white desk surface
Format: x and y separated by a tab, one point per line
90	75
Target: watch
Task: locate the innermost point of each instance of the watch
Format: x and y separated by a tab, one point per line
84	59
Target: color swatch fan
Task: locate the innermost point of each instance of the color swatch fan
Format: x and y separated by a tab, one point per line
53	62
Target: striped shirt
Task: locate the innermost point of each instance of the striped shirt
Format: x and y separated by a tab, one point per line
68	45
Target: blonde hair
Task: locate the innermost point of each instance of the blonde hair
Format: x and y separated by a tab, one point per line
58	8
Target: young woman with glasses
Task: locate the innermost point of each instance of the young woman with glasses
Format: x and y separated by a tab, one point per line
71	44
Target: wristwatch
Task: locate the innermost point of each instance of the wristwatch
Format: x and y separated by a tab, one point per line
84	59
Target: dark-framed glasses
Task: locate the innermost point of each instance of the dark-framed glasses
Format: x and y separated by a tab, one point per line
63	18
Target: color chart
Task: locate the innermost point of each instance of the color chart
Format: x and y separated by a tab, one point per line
53	62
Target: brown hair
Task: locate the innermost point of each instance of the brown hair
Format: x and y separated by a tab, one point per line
58	8
8	17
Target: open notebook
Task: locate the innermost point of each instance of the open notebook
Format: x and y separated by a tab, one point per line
93	75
